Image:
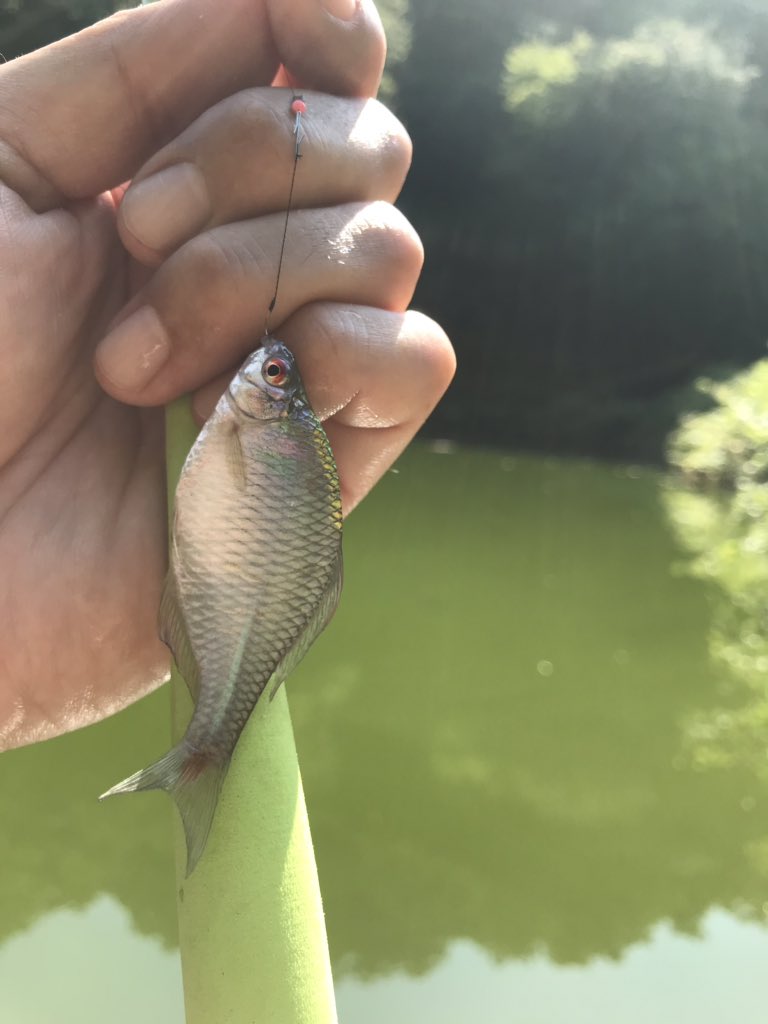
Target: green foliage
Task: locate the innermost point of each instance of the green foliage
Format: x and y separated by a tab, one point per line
667	47
394	17
592	188
718	502
728	446
532	68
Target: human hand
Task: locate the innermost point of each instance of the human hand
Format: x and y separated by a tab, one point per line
111	309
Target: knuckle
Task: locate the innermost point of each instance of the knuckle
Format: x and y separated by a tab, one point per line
406	246
213	261
223	136
325	322
340	326
394	149
388	245
202	293
147	109
333	327
436	350
397	239
252	115
204	264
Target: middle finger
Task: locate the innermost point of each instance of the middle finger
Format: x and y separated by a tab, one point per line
236	162
204	308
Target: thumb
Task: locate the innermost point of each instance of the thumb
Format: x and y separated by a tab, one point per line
333	46
82	115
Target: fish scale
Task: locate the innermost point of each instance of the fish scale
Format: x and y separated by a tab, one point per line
255	572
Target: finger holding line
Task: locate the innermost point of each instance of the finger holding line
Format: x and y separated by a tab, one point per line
204	307
236	162
373	376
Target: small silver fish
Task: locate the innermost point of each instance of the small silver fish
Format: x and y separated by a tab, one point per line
255	572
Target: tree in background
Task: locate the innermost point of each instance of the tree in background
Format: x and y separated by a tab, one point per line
594	188
589	182
717	501
26	25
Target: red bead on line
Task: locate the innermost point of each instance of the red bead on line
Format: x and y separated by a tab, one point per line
299	107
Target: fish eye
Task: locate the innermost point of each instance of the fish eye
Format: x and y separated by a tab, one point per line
275	372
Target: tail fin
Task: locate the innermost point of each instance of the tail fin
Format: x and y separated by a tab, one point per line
194	781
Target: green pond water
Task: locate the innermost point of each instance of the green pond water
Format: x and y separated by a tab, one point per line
501	740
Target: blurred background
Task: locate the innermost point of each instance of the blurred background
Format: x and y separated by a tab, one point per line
534	742
589	181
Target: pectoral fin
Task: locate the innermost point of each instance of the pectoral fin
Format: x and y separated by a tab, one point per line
236	457
173	633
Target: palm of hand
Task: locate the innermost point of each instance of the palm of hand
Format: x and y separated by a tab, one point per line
82	517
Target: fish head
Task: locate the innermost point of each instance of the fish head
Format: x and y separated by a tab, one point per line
268	385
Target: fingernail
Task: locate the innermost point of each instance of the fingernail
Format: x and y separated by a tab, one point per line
131	354
168	207
344	9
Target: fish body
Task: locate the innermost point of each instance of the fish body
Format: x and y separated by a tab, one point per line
255	571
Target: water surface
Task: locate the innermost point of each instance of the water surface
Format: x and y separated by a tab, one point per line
511	818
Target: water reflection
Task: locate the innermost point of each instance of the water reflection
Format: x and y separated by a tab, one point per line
96	968
455	789
59	848
669	980
718	504
492	739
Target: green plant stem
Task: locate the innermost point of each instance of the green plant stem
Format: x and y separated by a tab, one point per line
251	927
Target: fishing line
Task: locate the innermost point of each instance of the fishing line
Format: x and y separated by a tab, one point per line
298	107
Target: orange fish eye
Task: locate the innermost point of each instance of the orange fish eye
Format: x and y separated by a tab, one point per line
275	372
